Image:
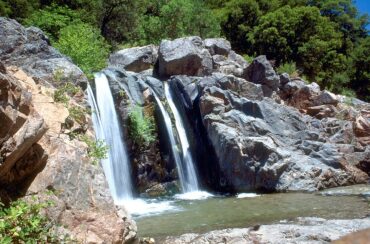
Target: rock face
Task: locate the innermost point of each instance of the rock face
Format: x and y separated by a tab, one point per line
253	129
38	155
263	145
29	49
306	230
21	129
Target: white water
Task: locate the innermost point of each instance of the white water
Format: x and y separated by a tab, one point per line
174	149
187	168
116	165
194	195
247	195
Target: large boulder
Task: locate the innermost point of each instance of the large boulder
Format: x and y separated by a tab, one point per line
135	59
183	56
30	49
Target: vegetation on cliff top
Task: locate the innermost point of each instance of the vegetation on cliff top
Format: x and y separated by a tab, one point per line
327	40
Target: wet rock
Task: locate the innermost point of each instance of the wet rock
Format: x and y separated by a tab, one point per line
135	59
356	190
304	230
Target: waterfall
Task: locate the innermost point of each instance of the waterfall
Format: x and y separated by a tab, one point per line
190	177
116	165
174	149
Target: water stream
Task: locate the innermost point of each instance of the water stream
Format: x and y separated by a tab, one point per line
116	165
220	212
187	167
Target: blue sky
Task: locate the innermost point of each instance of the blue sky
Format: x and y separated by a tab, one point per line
364	7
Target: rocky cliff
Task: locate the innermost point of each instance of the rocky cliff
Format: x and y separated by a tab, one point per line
40	154
250	127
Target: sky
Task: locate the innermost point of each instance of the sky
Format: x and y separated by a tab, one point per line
364	7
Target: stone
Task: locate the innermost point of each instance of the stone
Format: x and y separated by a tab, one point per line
183	56
325	97
134	59
261	72
218	46
21	129
30	49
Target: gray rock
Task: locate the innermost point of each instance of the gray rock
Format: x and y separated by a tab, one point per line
284	79
218	46
183	56
264	145
29	49
135	59
261	72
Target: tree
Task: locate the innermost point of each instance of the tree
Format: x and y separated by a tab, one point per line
84	45
361	63
238	19
52	19
176	18
302	35
18	9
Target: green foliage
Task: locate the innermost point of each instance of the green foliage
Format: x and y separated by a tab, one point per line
5	9
96	150
67	89
22	222
289	68
248	58
141	127
77	113
52	19
85	46
360	75
18	9
176	18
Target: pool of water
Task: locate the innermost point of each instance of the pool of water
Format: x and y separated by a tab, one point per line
247	210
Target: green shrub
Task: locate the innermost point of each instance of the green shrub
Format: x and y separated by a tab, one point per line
61	94
141	127
248	58
77	113
96	150
289	68
52	19
85	46
22	222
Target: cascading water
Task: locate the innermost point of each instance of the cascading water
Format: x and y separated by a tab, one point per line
174	150
116	165
190	177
